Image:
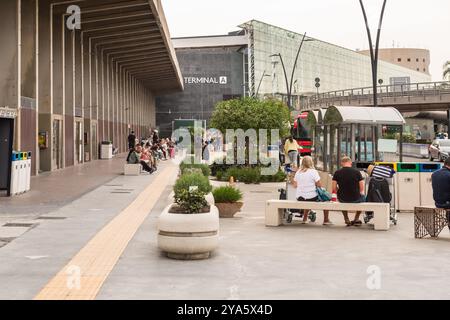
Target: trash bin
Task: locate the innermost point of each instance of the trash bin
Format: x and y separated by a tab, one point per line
408	186
28	164
15	171
106	150
426	188
392	165
362	166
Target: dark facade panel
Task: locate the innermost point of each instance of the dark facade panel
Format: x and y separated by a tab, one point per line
210	76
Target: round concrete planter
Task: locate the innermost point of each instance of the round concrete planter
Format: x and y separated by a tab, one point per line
228	210
188	236
210	199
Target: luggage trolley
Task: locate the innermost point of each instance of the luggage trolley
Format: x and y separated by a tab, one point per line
289	193
391	181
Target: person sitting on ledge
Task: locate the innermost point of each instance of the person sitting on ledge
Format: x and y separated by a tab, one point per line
441	188
135	158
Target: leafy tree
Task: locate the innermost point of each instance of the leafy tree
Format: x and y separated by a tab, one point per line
250	113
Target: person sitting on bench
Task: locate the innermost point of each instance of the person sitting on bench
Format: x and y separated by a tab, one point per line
306	181
441	188
348	184
135	158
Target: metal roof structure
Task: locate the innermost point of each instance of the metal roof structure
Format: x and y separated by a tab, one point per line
363	115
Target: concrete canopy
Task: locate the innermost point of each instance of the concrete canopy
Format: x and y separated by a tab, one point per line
132	35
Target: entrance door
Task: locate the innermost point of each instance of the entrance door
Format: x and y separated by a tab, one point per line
57	144
94	140
78	142
6	144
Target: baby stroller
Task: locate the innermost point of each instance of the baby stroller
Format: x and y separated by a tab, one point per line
290	194
381	189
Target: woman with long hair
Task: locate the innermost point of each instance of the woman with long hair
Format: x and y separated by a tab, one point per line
306	181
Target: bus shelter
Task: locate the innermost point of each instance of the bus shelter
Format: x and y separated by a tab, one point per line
365	134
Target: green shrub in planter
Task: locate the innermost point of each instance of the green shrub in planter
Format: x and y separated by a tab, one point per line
227	195
187	168
219	175
192	202
250	175
185	182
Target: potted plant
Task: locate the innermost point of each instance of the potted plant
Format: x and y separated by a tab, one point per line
189	228
227	200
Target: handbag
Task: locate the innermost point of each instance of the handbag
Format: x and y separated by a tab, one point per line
323	195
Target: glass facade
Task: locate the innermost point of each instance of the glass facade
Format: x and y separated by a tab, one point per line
337	67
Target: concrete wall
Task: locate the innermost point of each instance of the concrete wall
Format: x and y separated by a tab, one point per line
414	59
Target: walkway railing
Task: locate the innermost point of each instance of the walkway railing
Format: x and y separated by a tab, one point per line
425	89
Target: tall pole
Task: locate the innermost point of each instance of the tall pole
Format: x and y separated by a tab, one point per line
295	63
287	81
374	53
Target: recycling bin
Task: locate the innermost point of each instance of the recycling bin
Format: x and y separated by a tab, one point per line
28	170
23	172
106	150
392	165
408	186
426	188
362	166
15	171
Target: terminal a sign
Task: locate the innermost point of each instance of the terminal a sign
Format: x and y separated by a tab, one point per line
222	80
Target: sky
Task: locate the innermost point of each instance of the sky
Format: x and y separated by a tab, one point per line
407	23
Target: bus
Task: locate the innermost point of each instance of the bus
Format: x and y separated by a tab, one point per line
302	134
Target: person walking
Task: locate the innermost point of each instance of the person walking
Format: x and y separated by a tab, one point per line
348	184
306	181
441	188
291	148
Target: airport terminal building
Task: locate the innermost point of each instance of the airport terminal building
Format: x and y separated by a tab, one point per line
240	64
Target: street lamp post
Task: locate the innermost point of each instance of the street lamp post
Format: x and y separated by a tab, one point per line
290	84
374	52
260	82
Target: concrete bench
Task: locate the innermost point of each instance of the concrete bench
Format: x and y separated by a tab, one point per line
132	169
275	211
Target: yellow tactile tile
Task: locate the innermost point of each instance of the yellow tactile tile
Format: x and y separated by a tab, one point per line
83	277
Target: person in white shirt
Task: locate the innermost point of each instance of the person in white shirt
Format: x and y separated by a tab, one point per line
306	181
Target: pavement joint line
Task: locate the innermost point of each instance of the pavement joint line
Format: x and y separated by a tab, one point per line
91	266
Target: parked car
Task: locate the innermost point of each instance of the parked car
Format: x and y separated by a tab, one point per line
440	150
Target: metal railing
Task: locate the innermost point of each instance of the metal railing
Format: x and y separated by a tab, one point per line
424	89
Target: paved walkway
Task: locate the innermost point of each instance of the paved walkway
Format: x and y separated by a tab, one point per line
50	191
103	246
85	237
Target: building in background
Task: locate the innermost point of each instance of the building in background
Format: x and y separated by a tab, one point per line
72	86
447	71
214	69
414	59
244	58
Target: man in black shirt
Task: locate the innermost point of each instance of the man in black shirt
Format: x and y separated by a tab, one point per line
348	183
131	140
441	188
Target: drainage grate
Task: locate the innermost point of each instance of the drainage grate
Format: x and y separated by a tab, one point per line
121	192
51	218
113	185
19	225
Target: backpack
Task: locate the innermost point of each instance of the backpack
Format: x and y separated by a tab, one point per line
379	191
